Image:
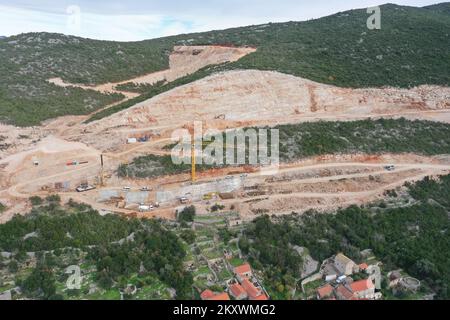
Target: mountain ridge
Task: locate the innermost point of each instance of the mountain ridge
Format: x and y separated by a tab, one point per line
411	49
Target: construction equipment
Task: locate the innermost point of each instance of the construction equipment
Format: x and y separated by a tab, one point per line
84	188
184	200
76	163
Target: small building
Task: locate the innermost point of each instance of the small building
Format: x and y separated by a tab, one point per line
330	278
344	265
324	292
131	140
228	254
235	222
253	292
394	278
243	271
220	297
343	293
238	292
363	267
209	295
363	289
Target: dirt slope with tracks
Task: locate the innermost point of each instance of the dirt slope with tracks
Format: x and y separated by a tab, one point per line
245	98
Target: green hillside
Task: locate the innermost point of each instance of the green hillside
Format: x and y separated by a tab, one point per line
412	48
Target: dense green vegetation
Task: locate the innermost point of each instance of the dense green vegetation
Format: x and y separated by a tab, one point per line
303	140
151	166
415	238
411	48
24	106
51	227
139	87
186	215
150	254
29	60
365	136
158	251
116	247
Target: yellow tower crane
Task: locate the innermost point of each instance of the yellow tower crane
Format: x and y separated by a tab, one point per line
193	164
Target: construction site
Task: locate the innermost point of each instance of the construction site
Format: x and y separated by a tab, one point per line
79	160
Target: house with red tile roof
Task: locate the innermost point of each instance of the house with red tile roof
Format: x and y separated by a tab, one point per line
358	290
363	289
238	292
343	293
324	292
205	295
243	271
363	266
220	297
209	295
252	292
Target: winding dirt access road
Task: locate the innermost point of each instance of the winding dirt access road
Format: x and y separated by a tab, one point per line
312	183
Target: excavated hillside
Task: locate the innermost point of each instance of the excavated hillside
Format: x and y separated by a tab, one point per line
250	97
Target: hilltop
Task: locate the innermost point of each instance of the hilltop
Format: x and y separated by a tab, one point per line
337	50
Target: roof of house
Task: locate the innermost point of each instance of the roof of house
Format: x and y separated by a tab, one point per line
363	266
251	290
340	257
362	285
237	290
325	291
344	292
220	297
245	268
207	294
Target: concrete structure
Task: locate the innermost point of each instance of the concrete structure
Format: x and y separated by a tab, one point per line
409	284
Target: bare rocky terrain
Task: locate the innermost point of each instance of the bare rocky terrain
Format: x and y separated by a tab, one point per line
224	100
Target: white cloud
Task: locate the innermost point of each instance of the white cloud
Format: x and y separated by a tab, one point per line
138	19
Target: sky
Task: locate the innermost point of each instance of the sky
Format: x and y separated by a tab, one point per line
133	20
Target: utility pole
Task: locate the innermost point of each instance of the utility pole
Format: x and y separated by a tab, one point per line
102	182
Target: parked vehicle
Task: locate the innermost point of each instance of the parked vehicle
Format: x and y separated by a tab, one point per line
84	188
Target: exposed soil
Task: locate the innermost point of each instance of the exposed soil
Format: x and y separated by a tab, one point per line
225	100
